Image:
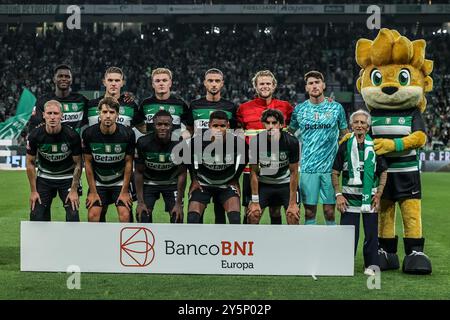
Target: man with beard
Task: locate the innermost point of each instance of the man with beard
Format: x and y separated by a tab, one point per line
319	122
249	117
74	105
108	152
201	110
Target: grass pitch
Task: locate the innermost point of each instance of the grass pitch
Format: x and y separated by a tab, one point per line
14	193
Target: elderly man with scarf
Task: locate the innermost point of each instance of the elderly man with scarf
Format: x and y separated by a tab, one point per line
363	180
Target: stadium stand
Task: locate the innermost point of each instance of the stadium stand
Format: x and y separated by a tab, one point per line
27	59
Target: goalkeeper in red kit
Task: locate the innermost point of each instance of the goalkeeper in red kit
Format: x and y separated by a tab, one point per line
249	116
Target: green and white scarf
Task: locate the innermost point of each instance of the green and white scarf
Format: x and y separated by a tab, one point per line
369	169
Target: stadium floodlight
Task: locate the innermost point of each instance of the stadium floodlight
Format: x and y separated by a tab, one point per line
216	30
267	30
207	32
142	36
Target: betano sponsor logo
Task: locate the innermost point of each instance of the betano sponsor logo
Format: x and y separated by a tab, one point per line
54	156
317	126
106	158
159	166
72	116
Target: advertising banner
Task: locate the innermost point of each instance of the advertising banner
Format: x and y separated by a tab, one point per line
187	248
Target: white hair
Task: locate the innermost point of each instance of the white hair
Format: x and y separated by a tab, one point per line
363	112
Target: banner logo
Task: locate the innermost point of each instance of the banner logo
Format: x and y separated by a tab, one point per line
136	247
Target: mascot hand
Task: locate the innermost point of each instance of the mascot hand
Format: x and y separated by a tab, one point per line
383	146
345	138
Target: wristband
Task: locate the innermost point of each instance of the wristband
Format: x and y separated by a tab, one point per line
255	198
399	144
338	194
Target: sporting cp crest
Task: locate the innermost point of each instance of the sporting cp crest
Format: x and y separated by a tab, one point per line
172	110
64	147
117	148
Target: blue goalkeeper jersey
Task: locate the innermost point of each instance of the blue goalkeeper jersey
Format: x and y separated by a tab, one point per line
317	128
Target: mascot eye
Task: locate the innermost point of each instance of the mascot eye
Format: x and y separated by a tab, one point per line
404	77
376	77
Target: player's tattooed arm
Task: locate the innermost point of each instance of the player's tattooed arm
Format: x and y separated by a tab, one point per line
31	174
93	196
73	194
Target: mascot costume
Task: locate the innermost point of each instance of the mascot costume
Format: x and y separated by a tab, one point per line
393	80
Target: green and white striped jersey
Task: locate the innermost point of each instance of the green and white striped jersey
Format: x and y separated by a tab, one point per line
393	124
54	151
108	153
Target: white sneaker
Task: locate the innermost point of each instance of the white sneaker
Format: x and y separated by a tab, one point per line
369	272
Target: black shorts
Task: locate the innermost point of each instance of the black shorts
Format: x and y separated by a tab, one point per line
402	185
246	189
109	195
221	194
48	189
152	193
273	195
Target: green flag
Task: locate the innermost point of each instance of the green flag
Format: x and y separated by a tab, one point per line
11	128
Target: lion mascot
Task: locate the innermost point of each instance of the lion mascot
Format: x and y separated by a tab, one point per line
393	80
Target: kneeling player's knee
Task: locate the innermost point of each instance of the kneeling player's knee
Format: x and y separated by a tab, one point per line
234	217
193	217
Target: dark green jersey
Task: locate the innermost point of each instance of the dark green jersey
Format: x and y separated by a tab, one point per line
158	161
54	151
175	105
74	109
128	112
217	166
201	110
108	153
274	167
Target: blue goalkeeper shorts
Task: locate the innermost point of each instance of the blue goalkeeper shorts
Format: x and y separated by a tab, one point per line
315	185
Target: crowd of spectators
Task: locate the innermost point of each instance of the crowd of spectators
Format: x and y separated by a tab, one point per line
27	60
